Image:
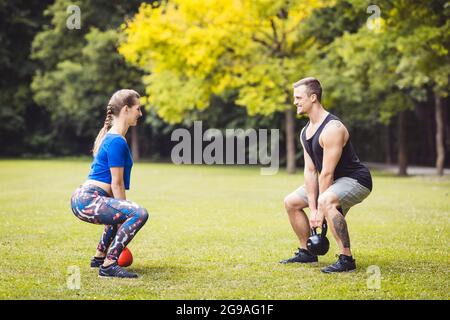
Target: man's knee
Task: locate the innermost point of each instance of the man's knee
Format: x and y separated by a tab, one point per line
287	202
327	201
294	202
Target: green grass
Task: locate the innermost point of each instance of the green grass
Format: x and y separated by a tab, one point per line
217	233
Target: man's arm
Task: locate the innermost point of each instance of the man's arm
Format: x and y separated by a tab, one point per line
311	181
117	183
333	140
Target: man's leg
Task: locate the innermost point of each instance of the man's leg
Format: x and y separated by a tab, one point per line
328	204
294	205
345	193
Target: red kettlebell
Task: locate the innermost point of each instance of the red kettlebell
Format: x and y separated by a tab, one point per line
125	258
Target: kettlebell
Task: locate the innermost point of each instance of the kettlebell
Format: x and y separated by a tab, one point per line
318	244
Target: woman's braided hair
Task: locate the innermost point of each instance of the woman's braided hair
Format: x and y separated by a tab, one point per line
121	98
109	117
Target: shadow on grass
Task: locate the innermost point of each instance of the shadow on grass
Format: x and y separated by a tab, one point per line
366	264
164	272
396	266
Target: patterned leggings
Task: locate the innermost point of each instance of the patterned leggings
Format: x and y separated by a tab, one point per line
122	218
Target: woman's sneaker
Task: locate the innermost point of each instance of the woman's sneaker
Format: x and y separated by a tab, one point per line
301	256
114	270
344	264
96	262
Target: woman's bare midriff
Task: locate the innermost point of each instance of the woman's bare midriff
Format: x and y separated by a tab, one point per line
104	186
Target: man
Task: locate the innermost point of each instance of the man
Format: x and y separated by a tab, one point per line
335	179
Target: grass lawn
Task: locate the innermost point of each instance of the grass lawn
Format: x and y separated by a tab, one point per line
218	233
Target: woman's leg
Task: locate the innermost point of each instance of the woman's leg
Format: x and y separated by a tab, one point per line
136	217
105	241
92	205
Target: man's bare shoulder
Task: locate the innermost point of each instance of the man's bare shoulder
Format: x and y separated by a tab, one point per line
334	130
334	126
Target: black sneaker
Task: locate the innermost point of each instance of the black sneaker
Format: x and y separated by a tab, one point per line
97	262
301	256
114	270
344	264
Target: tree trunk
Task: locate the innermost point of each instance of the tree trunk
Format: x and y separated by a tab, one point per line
388	144
431	135
402	155
440	148
290	141
447	123
134	143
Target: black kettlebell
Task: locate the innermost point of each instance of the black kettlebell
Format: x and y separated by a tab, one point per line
318	244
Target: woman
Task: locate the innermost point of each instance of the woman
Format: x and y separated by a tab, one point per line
101	199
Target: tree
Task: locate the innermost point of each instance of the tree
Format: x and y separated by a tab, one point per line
357	70
194	50
374	75
19	22
423	44
79	69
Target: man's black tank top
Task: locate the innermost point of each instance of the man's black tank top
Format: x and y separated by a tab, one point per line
348	165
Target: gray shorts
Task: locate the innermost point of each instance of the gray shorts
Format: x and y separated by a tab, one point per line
348	190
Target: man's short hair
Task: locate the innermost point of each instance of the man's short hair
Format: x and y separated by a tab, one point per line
312	87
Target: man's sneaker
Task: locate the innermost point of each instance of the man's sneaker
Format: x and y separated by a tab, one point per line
344	264
301	256
97	262
114	270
